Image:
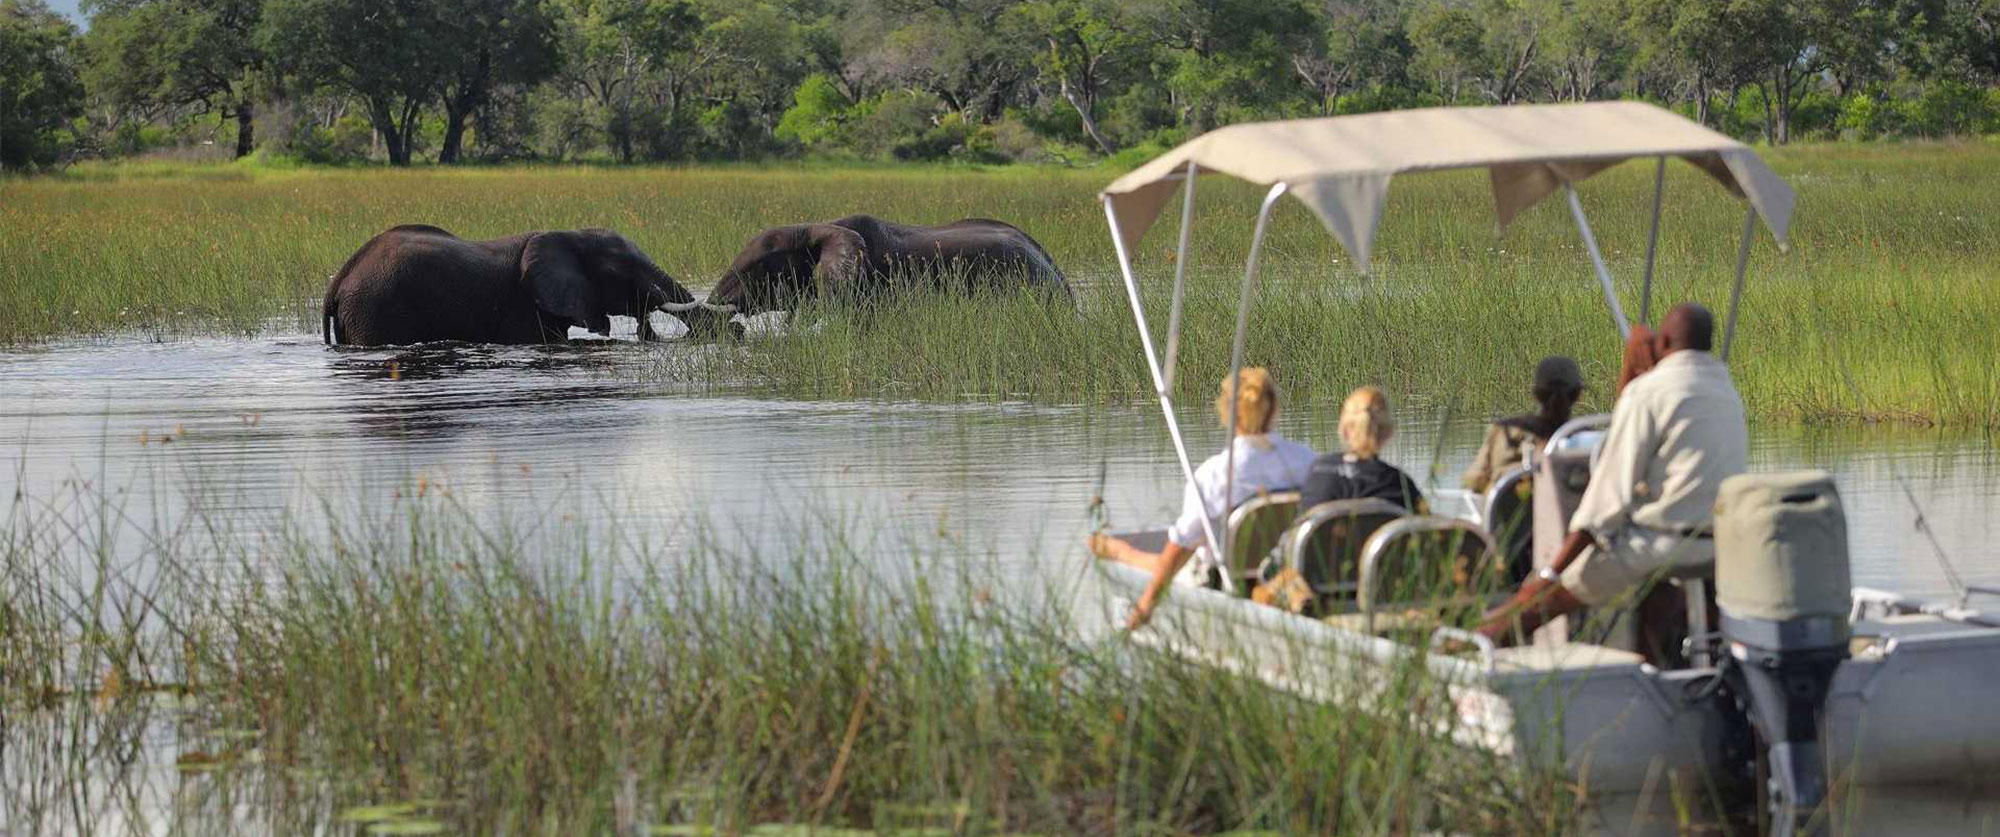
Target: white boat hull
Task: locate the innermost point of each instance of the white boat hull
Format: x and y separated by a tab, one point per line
1917	706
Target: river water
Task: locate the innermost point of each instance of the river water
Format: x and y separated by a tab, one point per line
253	429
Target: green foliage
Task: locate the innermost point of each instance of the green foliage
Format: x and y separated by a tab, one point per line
817	113
421	666
1901	274
1949	108
680	80
155	53
40	91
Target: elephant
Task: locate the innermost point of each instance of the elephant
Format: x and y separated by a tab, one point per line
418	283
861	255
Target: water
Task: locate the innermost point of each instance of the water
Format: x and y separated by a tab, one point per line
283	425
257	430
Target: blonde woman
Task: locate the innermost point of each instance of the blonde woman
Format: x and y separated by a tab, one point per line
1358	472
1264	462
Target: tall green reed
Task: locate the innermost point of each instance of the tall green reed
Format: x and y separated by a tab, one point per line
545	674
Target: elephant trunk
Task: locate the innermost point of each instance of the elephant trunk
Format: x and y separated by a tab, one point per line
703	319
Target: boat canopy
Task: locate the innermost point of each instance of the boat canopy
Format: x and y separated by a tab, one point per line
1340	166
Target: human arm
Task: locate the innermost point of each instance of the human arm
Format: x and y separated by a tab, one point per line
1183	537
1618	473
1479	476
1165	568
1541	598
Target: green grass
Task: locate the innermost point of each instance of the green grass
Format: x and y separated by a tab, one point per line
414	665
1888	278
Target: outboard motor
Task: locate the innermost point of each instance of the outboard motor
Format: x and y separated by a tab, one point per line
1782	583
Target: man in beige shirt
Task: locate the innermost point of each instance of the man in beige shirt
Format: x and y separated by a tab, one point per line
1677	431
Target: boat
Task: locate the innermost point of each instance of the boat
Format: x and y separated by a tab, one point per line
1820	681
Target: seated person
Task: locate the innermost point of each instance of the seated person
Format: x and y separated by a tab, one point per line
1365	426
1558	384
1677	431
1265	462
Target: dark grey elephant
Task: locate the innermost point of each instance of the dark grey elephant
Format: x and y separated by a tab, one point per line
861	255
417	283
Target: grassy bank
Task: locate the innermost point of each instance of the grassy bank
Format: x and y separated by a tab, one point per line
1888	278
414	667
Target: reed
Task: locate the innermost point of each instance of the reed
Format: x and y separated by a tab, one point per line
1887	278
419	666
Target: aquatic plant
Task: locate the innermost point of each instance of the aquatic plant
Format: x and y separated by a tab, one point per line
417	665
1887	278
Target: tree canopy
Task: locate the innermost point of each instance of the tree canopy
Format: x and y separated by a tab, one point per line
980	80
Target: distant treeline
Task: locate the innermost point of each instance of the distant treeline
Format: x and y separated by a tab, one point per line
329	81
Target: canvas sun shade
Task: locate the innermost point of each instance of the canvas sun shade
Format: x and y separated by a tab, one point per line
1340	166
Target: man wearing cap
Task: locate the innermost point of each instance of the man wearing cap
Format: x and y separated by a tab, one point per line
1677	431
1558	383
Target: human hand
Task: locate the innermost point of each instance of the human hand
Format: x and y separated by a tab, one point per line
1141	612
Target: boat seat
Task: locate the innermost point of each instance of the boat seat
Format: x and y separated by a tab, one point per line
1324	546
1255	528
1509	517
1427	563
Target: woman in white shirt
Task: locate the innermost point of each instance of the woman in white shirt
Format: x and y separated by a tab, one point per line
1265	462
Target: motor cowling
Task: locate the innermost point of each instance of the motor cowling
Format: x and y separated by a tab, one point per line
1783	585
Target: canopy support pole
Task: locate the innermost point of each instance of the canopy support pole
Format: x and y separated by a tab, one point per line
1236	358
1159	381
1172	362
1652	243
1597	261
1736	293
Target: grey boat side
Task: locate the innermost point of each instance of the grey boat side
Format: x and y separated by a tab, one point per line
1913	705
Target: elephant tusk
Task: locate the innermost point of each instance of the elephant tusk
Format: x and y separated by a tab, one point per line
720	309
680	307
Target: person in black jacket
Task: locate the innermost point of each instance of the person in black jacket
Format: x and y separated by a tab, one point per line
1365	426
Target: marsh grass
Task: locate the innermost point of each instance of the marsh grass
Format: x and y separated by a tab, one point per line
421	665
1888	278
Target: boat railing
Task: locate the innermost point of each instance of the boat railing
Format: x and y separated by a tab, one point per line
1323	547
1472	545
1509	518
1572	433
1256	527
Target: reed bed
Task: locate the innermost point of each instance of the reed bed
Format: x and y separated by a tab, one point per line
418	667
1881	311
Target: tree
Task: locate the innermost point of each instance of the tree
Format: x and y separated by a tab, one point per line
1588	48
614	47
1227	53
1450	48
487	43
1089	42
39	87
1362	43
179	53
384	52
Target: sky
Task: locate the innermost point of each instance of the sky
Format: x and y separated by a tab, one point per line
68	9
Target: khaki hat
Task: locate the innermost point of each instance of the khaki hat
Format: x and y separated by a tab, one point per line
1558	371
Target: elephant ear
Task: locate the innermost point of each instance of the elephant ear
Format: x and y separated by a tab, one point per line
840	254
553	272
